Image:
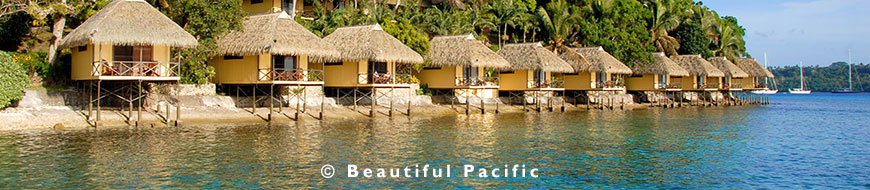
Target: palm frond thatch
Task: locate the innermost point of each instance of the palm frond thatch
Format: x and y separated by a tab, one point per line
727	67
662	66
697	66
531	56
276	34
463	50
598	61
129	23
371	42
753	68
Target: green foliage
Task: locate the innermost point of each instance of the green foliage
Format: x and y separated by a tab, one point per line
13	29
12	81
408	34
824	79
205	20
693	39
614	27
558	21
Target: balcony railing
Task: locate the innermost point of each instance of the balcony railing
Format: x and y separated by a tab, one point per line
485	81
712	85
137	68
307	75
735	85
548	84
675	85
610	84
388	78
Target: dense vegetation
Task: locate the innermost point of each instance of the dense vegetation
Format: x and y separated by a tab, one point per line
12	81
628	29
824	79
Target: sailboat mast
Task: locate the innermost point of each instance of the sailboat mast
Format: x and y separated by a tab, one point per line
802	74
766	83
850	69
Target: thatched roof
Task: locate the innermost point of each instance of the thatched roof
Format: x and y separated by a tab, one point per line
531	56
277	34
697	66
753	68
727	67
371	42
129	23
662	66
599	61
463	50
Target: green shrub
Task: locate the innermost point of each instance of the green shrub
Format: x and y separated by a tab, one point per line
13	79
34	63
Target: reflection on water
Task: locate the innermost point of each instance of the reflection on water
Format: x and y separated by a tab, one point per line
790	144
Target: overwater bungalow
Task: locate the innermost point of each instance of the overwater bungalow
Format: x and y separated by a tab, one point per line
461	66
756	74
271	50
733	74
703	78
653	82
371	58
126	43
534	72
599	72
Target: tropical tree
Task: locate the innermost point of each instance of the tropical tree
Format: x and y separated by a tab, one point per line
506	13
692	38
613	24
730	39
558	22
666	16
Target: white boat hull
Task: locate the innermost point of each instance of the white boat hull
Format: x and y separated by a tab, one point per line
797	91
765	92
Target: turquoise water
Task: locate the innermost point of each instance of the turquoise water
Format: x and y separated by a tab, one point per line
816	141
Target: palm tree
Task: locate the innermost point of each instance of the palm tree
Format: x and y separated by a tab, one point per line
667	16
559	22
730	43
506	13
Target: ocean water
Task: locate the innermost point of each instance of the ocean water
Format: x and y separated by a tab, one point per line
814	141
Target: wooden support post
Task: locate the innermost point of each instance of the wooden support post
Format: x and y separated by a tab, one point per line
298	104
523	97
90	101
374	102
139	111
392	89
271	101
563	101
168	113
322	103
304	98
254	100
482	104
587	102
467	104
410	95
130	104
354	98
497	102
99	114
177	105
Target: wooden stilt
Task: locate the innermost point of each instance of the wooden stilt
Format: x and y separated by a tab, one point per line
467	103
482	104
298	104
410	95
139	111
304	98
392	89
271	101
374	102
90	101
254	100
99	92
354	99
177	105
321	104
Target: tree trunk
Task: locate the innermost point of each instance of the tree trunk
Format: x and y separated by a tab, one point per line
57	32
398	2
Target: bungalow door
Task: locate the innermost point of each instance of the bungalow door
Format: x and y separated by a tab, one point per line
663	82
601	79
285	68
700	81
470	75
379	73
540	78
289	6
130	61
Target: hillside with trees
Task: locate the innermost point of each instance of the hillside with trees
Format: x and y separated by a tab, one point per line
824	79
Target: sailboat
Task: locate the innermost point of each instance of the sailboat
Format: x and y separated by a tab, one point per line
847	90
767	91
800	90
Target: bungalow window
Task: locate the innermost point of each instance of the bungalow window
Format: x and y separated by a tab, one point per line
601	77
288	6
431	68
506	72
256	1
285	63
333	63
663	80
132	53
700	80
469	72
539	75
83	48
230	57
378	67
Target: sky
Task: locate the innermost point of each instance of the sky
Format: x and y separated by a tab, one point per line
817	32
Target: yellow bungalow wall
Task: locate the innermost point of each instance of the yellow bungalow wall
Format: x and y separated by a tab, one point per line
83	62
516	81
247	70
643	83
350	73
717	80
688	83
444	77
581	81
